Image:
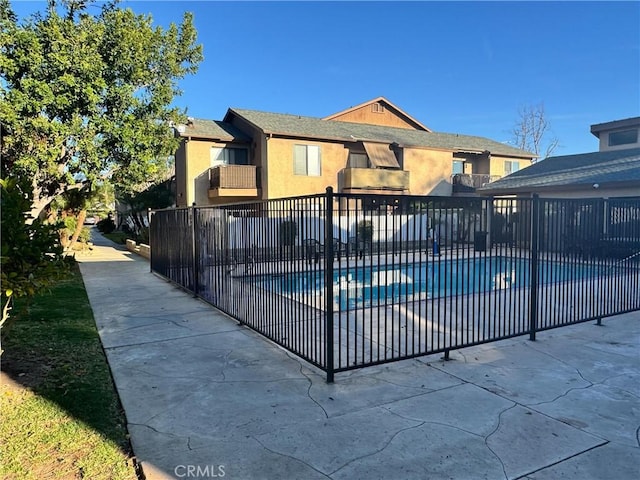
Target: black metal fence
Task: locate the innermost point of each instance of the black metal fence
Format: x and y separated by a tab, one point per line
346	281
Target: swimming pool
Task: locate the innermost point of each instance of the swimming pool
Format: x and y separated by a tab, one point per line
365	285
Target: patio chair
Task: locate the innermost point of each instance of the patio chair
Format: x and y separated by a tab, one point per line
358	247
312	250
339	249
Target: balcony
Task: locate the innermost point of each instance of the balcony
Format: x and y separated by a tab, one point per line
467	182
365	180
234	181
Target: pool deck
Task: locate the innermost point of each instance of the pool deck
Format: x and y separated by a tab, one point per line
205	396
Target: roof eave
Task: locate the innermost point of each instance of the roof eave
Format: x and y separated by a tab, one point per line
201	136
548	188
197	136
614	125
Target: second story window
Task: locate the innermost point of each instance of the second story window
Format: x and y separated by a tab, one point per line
511	166
625	137
229	156
306	160
457	167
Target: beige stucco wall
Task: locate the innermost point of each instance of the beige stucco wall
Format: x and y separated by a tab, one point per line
496	167
199	155
430	171
282	181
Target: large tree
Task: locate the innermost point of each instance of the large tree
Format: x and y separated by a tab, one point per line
532	131
87	97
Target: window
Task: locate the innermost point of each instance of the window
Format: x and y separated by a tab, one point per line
458	167
377	108
511	166
229	156
306	160
623	138
358	160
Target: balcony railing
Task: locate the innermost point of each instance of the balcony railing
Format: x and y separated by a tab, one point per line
363	179
473	180
468	182
234	180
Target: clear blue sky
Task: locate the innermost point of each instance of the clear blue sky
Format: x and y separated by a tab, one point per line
458	67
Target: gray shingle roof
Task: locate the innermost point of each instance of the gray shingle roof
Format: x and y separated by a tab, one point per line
311	127
213	130
616	166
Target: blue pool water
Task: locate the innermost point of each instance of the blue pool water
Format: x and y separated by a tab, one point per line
366	286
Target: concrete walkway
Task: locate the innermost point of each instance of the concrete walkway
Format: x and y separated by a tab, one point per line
206	398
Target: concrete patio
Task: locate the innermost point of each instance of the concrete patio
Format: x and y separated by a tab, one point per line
207	398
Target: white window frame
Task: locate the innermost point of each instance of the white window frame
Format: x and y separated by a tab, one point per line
307	160
228	156
511	164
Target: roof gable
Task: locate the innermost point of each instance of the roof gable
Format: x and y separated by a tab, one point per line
378	111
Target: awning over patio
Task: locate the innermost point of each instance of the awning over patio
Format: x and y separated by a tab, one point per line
381	156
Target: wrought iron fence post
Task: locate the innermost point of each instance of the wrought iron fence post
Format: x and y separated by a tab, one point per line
490	205
149	214
194	254
533	267
328	283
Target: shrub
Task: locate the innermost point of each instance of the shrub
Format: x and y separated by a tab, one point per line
67	228
288	232
106	225
143	236
85	235
364	230
70	224
32	258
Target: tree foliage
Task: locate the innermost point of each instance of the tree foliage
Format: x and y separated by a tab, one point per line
86	97
532	131
71	208
155	195
31	258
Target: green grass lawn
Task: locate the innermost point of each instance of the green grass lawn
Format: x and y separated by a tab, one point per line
118	237
61	417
